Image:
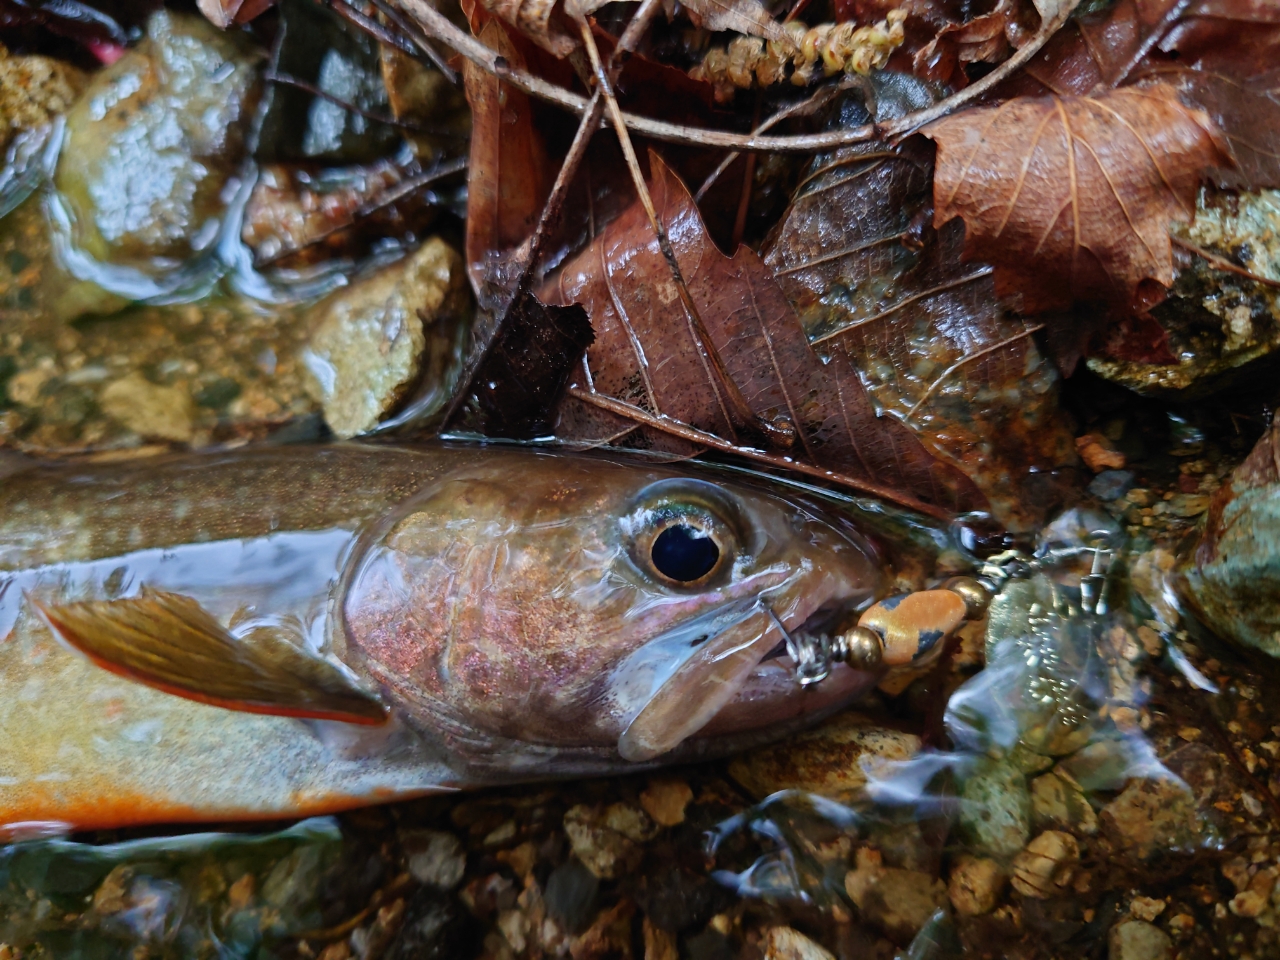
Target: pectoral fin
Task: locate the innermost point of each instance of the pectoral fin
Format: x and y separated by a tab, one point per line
169	642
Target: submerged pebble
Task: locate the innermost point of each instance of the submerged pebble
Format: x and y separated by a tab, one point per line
374	341
153	140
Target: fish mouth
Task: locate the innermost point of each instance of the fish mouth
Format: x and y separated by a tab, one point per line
721	672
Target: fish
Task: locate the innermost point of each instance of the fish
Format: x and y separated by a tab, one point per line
299	630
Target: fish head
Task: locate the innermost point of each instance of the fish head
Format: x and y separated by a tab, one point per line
531	609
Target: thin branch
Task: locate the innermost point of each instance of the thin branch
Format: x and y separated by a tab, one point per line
370	26
1223	264
821	97
439	27
392	195
590	122
559	190
676	428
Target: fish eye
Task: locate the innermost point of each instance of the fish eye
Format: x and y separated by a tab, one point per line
683	553
683	533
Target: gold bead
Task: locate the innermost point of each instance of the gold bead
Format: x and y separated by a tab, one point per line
861	648
975	595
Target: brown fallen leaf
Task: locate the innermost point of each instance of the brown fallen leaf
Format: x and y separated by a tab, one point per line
648	382
989	38
509	174
1221	56
880	292
539	20
1070	198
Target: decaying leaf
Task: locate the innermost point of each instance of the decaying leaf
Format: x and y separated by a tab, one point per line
989	38
879	292
519	379
1070	198
539	20
739	16
653	385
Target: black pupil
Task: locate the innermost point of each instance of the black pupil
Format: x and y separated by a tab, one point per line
684	553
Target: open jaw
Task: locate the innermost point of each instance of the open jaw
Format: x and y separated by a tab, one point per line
718	674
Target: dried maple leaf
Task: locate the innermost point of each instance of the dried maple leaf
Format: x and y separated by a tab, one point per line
1221	55
649	379
882	294
1070	198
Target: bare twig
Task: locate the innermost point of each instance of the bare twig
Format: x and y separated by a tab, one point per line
586	128
821	97
559	190
439	27
370	26
676	428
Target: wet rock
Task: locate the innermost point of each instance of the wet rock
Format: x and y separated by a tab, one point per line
151	143
1138	940
899	902
665	801
295	217
1146	908
434	928
434	857
1057	802
607	839
995	809
975	885
1215	324
677	899
786	943
710	944
571	895
832	761
608	936
34	90
317	47
150	410
1111	484
1044	868
1099	453
374	341
659	944
1233	579
1154	815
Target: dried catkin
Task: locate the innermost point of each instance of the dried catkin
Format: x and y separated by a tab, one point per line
835	47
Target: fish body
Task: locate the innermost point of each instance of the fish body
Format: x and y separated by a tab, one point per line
298	630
